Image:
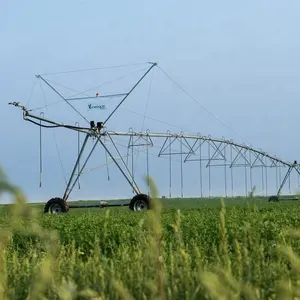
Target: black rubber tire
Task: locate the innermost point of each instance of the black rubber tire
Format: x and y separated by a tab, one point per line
273	199
140	198
59	203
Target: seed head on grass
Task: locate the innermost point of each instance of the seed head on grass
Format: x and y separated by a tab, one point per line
224	239
156	251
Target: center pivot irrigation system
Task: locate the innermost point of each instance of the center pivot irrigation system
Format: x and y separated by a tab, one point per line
221	152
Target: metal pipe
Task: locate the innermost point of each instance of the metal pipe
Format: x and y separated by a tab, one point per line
78	175
41	163
153	64
65	197
136	189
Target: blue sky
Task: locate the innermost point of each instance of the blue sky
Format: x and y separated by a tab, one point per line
239	59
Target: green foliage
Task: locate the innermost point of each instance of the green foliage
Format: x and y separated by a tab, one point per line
223	252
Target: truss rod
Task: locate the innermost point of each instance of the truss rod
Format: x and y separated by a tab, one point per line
78	175
27	115
133	183
287	175
78	150
196	137
135	187
96	97
152	65
41	157
284	179
45	81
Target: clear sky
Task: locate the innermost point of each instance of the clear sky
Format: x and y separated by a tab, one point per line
239	59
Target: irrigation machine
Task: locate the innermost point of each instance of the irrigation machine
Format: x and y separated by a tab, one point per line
207	151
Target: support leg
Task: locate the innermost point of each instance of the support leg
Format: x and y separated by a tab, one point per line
291	167
65	197
285	179
131	183
82	168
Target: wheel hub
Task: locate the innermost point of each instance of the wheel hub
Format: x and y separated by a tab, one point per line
55	209
140	205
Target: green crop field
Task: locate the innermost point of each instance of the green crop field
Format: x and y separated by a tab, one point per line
181	249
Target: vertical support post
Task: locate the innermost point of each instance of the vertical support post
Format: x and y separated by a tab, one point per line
209	183
262	181
132	170
246	179
280	177
277	177
290	184
231	171
41	162
200	160
181	167
225	171
106	160
251	179
147	158
78	151
170	168
266	175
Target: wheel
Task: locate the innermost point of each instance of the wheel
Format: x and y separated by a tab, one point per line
56	206
140	202
273	199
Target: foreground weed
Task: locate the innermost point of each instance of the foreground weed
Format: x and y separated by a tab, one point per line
209	253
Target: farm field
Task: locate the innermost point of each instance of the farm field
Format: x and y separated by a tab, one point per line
204	250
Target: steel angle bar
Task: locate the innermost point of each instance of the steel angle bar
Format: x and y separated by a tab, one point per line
132	89
57	92
160	135
213	158
134	143
78	150
273	162
239	155
219	165
125	165
297	168
131	183
214	145
195	137
285	179
41	156
217	148
210	160
257	157
193	151
68	189
97	97
81	170
163	149
182	142
245	149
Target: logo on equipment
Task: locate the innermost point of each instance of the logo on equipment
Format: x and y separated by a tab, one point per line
96	106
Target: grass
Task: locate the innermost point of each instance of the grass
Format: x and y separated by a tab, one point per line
216	250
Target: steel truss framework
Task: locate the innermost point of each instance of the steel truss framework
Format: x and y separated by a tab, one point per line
209	152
